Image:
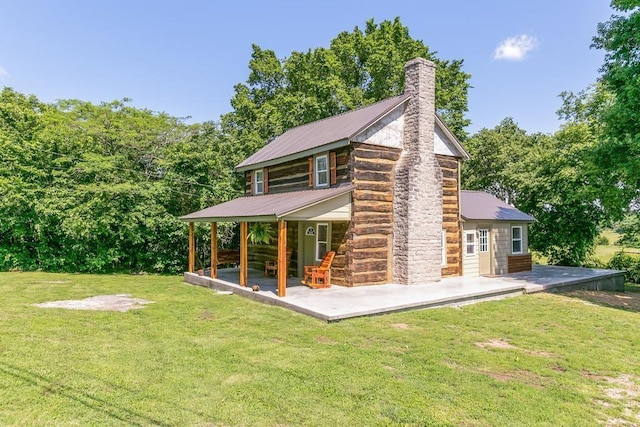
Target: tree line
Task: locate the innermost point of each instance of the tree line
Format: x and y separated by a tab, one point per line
98	188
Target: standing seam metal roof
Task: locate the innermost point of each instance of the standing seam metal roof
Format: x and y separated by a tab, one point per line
478	205
322	132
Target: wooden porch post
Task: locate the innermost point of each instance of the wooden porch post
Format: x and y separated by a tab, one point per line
214	250
282	258
244	259
192	248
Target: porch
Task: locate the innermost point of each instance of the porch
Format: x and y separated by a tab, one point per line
337	303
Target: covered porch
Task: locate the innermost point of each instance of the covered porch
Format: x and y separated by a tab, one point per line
296	216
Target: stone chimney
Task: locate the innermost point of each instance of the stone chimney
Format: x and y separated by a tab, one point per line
417	206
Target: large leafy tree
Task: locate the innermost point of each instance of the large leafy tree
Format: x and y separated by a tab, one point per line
548	176
619	149
358	68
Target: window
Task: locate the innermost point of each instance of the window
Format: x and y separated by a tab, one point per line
258	182
516	240
444	247
483	240
470	242
322	240
322	171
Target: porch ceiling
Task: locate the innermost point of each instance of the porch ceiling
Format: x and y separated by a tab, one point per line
270	207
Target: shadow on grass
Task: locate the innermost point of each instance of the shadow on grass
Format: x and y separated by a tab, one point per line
628	300
95	403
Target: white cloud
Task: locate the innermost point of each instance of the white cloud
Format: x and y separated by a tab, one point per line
4	74
515	48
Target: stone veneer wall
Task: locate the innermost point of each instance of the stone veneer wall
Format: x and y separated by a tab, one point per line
417	206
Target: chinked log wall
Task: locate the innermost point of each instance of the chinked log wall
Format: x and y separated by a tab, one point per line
369	242
451	214
294	175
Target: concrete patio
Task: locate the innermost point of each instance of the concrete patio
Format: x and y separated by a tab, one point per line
337	303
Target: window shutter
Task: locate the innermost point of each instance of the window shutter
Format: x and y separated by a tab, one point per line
265	180
311	171
332	167
250	173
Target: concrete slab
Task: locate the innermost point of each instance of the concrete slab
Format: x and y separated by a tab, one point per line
337	302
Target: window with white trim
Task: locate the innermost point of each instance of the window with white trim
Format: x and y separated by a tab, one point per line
516	240
322	171
444	247
322	240
483	240
258	182
470	242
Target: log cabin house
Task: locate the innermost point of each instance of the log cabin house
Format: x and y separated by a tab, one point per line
379	185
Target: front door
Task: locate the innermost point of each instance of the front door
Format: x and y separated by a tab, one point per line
484	251
314	243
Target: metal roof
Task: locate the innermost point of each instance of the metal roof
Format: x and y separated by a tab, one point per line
323	132
268	207
478	205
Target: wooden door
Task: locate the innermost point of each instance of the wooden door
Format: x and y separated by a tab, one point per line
484	250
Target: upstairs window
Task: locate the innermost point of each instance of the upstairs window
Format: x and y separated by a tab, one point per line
258	182
516	240
322	171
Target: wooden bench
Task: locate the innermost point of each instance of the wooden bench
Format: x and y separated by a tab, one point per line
228	257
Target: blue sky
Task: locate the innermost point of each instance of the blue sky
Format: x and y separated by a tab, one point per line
184	57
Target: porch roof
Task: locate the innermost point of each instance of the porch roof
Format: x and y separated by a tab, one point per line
268	207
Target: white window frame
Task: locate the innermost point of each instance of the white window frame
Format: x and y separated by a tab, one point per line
517	239
325	172
258	184
444	247
466	243
320	256
483	240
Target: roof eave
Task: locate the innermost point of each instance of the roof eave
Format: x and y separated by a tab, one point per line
310	152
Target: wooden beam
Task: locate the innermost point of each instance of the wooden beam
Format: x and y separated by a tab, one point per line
214	250
282	258
192	248
244	258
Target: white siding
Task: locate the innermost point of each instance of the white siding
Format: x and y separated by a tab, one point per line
441	143
336	209
388	132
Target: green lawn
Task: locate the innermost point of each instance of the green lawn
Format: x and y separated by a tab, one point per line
198	358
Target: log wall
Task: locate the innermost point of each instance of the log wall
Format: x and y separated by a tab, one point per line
450	167
294	175
369	237
258	254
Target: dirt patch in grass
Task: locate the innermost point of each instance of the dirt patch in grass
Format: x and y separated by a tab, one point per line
119	302
495	343
623	391
325	340
626	300
399	326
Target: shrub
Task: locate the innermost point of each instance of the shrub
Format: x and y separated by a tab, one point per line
630	265
601	240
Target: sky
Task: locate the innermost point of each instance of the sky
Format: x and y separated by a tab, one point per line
184	57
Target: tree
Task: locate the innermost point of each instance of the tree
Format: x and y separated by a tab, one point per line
548	176
358	68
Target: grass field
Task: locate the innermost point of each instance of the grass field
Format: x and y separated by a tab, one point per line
194	357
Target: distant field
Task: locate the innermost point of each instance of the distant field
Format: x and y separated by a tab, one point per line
605	252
